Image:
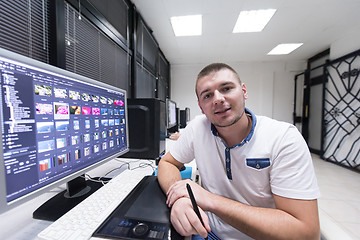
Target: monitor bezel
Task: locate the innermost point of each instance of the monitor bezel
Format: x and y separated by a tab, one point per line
32	63
168	125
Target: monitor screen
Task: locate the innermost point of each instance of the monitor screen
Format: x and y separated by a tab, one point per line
187	110
171	113
55	126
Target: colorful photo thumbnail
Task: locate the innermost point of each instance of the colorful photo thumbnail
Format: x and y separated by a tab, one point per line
44	108
61	110
60	92
76	110
44	146
42	90
86	110
44	127
74	95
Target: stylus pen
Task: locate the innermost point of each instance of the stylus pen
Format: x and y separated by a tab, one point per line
195	206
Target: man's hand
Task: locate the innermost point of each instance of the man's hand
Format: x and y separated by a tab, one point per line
178	190
183	216
185	220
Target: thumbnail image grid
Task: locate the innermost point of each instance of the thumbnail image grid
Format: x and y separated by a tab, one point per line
61	112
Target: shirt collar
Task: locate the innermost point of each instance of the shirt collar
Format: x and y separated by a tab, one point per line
249	136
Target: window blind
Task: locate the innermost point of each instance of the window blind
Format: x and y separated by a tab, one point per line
24	28
89	52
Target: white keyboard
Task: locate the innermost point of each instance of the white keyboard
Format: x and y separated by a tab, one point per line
81	221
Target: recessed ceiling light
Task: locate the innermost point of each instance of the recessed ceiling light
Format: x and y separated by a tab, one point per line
187	25
253	21
284	48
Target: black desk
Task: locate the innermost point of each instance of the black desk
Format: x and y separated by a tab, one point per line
142	215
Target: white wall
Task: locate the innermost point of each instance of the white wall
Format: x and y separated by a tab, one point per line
345	45
270	87
270	84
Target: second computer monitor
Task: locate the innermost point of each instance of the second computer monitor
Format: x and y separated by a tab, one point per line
171	113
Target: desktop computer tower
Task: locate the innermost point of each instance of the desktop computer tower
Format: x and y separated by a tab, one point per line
147	128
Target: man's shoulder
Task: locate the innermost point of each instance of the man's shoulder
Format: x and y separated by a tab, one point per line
198	125
200	117
199	120
268	120
273	125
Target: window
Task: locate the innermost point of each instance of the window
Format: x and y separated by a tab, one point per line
24	28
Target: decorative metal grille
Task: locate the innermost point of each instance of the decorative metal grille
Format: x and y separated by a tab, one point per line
341	131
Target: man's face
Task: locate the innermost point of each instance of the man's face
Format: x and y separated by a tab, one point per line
221	97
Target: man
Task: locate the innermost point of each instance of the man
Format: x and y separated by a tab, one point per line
257	177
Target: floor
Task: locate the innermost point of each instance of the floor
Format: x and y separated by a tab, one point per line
339	204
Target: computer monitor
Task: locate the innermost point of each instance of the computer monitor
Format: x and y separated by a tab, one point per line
55	126
184	117
171	117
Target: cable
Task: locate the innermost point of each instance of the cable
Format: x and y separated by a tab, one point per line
117	168
97	179
141	163
144	165
124	163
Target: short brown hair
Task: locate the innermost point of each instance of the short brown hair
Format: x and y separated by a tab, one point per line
213	68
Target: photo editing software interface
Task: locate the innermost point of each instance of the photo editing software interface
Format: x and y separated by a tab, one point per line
54	125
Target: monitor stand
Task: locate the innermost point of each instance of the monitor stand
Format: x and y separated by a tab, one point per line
77	190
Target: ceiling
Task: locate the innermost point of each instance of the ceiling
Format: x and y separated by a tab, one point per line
316	23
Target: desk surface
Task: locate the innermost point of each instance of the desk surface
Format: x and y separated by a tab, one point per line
18	224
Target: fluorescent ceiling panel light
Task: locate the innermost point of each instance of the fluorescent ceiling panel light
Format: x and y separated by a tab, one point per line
187	25
253	21
284	48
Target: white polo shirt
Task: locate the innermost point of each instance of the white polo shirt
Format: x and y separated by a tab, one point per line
272	159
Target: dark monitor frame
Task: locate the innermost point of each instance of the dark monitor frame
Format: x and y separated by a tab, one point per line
171	115
187	110
184	117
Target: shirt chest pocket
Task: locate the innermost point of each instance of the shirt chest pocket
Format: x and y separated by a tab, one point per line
258	163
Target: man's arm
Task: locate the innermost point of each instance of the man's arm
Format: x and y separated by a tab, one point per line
168	171
183	217
292	218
